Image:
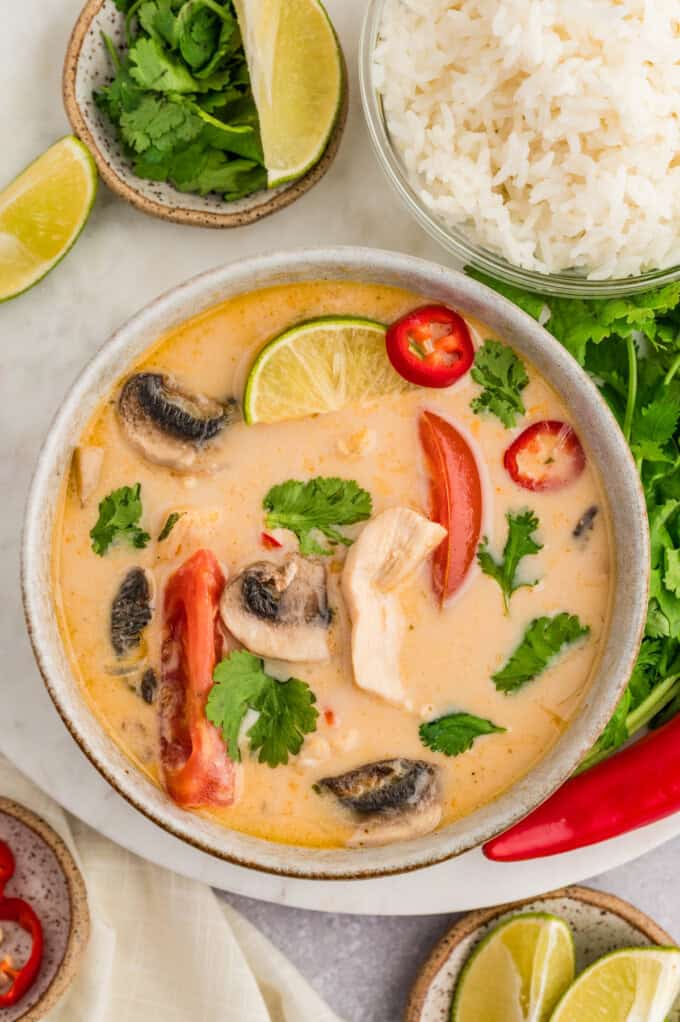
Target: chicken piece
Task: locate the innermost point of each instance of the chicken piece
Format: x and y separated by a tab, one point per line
386	554
87	467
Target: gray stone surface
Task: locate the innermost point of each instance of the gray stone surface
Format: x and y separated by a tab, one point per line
364	965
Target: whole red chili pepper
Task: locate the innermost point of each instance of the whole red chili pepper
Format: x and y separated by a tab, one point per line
15	910
635	787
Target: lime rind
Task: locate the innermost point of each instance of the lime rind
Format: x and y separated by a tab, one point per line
528	991
83	154
319	366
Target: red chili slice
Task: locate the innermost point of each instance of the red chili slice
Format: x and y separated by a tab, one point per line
16	910
455	501
430	346
546	456
270	542
196	769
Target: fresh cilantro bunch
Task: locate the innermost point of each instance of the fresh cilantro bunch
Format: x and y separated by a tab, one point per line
181	99
630	346
119	515
286	710
455	733
321	504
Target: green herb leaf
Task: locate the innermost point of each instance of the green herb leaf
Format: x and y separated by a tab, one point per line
118	521
543	640
519	544
503	377
322	504
170	523
286	709
455	732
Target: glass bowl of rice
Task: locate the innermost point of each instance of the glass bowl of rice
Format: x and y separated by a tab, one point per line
575	189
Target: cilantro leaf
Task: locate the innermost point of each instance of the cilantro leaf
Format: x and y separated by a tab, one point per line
519	544
502	375
286	709
543	640
322	504
119	515
455	732
170	523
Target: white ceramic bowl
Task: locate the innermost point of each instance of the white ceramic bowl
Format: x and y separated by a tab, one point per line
596	426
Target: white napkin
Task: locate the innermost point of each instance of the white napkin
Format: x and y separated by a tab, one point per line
163	947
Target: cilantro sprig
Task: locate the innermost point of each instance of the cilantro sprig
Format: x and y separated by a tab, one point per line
286	710
503	377
118	521
180	97
170	523
544	639
519	544
322	504
455	733
630	346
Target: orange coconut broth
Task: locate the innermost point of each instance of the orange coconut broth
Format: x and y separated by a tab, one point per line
448	655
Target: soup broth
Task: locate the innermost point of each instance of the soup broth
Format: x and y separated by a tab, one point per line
448	653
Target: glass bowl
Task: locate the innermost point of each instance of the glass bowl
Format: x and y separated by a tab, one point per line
454	239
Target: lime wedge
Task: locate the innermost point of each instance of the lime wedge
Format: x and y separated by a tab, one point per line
42	213
517	973
320	366
296	74
625	986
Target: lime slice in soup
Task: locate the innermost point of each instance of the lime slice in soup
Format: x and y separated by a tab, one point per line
637	983
42	213
296	75
320	366
518	973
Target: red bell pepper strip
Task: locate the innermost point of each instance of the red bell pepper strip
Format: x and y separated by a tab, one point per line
546	456
455	501
15	910
634	787
430	346
195	767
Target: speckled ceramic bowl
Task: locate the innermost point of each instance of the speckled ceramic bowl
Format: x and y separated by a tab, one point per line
88	67
595	424
601	923
47	877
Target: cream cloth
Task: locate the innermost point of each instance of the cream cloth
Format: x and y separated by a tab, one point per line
162	947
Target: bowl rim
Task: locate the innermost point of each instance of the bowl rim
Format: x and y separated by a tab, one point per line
176	213
455	240
342	263
473	921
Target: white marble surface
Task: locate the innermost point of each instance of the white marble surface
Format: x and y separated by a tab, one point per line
363	966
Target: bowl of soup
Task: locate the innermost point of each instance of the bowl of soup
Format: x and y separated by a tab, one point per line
335	563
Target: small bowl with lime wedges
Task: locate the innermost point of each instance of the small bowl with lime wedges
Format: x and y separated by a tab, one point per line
212	114
573	955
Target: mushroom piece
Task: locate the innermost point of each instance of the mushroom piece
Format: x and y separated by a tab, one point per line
386	554
87	466
396	799
280	610
131	611
170	426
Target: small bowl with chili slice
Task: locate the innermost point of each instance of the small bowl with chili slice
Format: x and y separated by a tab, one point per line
44	918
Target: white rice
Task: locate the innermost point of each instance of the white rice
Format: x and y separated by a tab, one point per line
548	129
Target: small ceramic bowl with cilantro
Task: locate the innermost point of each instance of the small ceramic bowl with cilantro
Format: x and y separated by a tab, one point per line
185	117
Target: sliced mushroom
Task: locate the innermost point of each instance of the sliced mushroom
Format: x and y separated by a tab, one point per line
87	466
280	610
131	611
171	426
386	554
396	799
